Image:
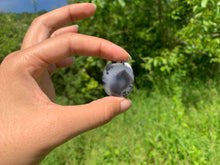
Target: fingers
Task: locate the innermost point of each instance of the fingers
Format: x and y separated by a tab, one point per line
52	68
43	26
69	29
69	121
58	48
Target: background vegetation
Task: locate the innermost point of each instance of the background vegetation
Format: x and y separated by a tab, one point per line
175	46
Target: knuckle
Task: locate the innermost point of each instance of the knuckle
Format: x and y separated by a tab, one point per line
37	20
40	19
42	22
10	64
9	58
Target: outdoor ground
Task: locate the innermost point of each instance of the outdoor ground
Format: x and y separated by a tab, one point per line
180	127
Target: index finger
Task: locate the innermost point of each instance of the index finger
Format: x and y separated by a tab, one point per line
58	48
43	26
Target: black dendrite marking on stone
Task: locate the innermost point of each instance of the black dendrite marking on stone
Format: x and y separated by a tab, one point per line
122	81
108	67
124	93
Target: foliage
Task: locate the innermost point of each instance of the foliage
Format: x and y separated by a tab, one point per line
12	30
134	25
74	85
175	46
163	37
200	39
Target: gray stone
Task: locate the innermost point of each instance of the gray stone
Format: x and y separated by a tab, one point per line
118	79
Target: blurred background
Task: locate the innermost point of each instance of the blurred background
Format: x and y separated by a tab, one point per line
30	6
175	49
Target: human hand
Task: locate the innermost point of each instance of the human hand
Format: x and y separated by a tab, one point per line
31	125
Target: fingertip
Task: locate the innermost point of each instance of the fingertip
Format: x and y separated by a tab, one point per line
77	27
65	30
94	5
90	6
66	62
125	105
113	52
73	58
129	58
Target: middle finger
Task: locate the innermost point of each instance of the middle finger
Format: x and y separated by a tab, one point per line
53	50
43	26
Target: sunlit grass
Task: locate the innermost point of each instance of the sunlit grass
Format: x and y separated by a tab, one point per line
158	129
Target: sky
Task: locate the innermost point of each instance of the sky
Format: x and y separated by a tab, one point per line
19	6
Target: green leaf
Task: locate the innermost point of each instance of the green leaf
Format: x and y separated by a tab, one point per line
122	3
204	3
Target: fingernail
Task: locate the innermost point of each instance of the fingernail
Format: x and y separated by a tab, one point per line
125	104
94	5
129	58
73	57
77	26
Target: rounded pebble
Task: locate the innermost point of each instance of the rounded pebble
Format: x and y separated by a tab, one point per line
118	79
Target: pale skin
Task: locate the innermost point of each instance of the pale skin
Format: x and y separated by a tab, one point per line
31	124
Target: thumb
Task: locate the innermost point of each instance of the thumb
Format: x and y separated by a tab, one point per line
70	121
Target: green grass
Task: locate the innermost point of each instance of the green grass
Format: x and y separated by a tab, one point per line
181	126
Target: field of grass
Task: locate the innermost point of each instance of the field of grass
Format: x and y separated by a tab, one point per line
180	126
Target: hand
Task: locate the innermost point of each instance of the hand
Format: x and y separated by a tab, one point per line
31	125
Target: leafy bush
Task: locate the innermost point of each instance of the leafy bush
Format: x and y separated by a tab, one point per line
12	30
167	39
163	37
